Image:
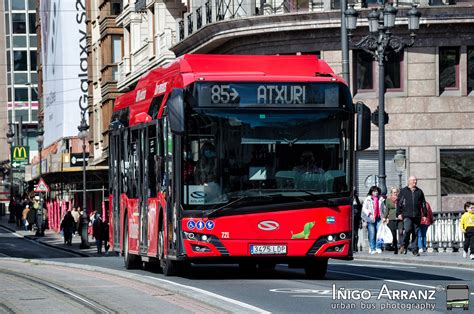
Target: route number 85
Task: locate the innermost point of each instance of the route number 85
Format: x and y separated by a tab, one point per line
223	94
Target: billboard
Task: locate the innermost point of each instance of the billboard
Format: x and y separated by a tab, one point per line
64	61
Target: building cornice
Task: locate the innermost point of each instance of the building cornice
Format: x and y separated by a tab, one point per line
214	35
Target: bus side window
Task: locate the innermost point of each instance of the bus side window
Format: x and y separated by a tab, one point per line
124	162
160	161
151	156
134	171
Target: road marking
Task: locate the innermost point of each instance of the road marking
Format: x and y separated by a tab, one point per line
417	263
374	265
214	295
387	280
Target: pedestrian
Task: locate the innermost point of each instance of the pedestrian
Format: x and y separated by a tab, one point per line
105	235
31	217
97	231
372	212
467	227
426	221
411	206
67	226
357	211
18	209
390	217
24	217
76	215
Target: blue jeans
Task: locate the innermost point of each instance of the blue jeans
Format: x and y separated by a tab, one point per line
422	236
372	228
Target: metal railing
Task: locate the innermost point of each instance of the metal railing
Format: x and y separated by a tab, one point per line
444	235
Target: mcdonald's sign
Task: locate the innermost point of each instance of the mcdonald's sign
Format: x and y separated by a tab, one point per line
20	155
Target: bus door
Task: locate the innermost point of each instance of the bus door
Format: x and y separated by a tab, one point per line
171	187
115	183
142	185
149	182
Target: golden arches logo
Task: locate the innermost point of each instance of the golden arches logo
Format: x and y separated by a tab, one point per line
19	153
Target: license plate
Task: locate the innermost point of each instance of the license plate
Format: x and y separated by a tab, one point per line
267	249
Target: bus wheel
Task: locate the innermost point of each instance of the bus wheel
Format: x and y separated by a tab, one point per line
316	269
131	261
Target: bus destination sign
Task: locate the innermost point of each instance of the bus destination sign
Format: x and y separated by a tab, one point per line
265	94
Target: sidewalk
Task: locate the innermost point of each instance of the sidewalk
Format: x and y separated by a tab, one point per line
52	239
453	259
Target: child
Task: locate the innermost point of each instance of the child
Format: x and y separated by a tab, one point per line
467	227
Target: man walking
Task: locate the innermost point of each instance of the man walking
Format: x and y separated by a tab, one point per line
411	207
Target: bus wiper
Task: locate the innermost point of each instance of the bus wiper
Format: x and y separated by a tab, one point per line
239	199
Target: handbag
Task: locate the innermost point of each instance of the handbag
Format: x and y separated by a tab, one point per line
384	234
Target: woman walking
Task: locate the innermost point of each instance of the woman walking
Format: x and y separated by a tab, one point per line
390	216
373	210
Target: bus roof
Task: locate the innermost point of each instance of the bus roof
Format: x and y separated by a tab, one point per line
193	67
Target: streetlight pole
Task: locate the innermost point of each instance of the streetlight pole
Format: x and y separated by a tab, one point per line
10	139
83	127
40	212
344	45
379	43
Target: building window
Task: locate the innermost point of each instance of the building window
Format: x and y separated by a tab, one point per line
22	115
20	78
34	115
31	4
32	22
115	7
33	64
19	41
21	94
364	70
34	95
448	68
19	23
457	171
7	23
18	5
20	62
116	55
470	69
393	71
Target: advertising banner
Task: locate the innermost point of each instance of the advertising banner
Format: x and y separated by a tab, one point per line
64	60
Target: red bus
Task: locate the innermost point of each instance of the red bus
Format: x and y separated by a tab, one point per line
235	159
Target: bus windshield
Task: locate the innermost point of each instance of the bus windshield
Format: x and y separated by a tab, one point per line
230	154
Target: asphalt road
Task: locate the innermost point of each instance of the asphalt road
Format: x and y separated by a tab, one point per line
12	245
350	287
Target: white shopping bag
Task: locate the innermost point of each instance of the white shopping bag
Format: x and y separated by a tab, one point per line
384	234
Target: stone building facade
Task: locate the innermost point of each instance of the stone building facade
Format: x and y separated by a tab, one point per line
430	100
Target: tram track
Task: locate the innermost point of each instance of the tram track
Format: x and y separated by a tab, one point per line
86	302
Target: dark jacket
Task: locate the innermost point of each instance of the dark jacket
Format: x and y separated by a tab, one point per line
411	203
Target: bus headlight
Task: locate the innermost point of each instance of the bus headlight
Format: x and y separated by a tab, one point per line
189	235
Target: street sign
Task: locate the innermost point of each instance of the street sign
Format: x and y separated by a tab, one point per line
77	160
20	156
41	187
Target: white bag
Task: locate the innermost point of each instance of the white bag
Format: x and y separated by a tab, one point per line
384	234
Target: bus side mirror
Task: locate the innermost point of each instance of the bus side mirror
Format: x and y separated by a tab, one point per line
175	106
363	126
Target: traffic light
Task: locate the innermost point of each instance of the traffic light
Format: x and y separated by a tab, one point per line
375	117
